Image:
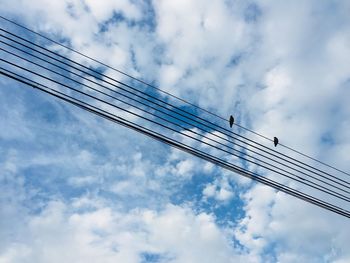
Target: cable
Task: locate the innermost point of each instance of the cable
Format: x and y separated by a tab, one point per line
167	93
186	148
110	67
171	106
98	91
318	187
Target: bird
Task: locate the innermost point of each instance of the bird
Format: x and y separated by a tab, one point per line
275	141
232	120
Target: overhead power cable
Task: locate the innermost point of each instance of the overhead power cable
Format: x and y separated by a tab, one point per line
165	92
226	131
302	181
278	171
174	117
177	144
195	120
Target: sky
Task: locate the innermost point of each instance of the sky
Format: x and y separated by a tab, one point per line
76	188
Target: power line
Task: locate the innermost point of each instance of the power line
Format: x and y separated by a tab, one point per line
211	140
165	92
115	98
227	132
122	121
303	181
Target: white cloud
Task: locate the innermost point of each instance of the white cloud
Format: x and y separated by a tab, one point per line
200	38
219	189
59	233
285	74
104	10
298	231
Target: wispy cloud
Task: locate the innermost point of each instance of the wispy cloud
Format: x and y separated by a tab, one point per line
76	188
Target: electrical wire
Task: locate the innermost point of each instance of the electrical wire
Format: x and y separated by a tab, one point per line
226	146
303	181
217	161
176	112
167	93
227	134
115	98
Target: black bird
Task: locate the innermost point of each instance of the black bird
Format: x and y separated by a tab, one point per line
232	120
275	141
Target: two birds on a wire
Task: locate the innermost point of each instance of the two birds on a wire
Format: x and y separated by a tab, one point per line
232	121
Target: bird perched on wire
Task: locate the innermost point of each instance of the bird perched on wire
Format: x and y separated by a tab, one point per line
232	120
275	141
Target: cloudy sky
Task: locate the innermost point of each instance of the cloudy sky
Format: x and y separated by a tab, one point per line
76	188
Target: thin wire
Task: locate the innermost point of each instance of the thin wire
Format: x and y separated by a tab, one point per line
167	93
186	148
326	190
110	67
128	86
80	83
164	103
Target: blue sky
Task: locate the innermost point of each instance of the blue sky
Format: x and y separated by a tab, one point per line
76	188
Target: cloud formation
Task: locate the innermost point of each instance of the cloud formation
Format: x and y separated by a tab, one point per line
75	188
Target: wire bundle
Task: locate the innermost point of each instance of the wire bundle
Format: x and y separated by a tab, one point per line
167	118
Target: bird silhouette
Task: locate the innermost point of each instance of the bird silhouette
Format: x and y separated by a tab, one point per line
275	141
232	120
